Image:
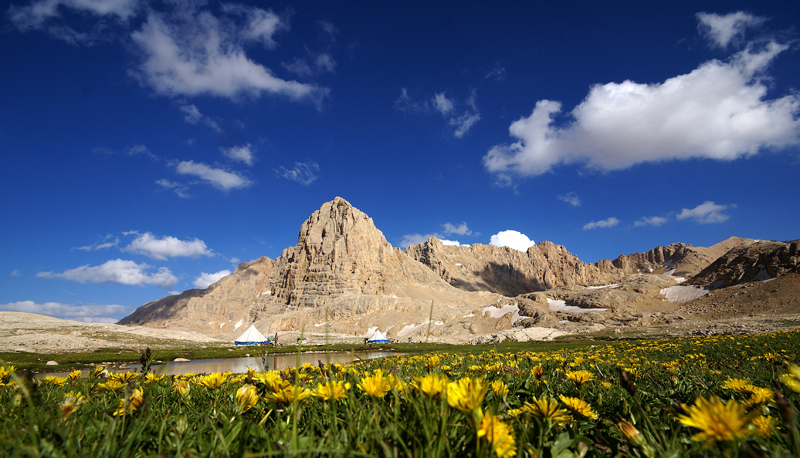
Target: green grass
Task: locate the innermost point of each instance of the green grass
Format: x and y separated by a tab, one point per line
646	384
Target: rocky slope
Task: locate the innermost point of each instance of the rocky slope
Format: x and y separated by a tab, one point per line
678	259
757	260
507	271
343	278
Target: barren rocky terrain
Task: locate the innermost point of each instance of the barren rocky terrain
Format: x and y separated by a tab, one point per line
343	281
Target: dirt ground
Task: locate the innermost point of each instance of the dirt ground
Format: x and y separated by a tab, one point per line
752	308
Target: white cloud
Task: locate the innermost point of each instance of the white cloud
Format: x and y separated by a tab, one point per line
302	172
216	177
497	73
414	239
705	213
320	63
241	153
260	25
722	30
205	280
167	247
461	229
15	273
605	223
718	111
118	271
109	241
46	14
195	53
460	120
570	198
180	189
451	242
650	221
192	115
442	104
90	313
512	239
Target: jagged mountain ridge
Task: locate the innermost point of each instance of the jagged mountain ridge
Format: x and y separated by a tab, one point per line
343	273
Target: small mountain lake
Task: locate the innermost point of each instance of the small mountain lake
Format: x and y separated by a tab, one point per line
240	365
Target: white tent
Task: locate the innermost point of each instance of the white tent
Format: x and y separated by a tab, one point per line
379	337
251	336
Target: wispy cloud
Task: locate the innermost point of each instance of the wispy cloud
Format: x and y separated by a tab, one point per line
448	229
118	271
192	115
205	280
218	178
461	116
604	223
161	248
109	241
92	313
241	153
193	52
47	15
570	198
304	173
180	189
723	30
706	213
650	221
718	111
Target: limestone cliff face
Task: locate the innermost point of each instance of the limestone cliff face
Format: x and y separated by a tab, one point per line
679	259
216	309
340	251
507	271
757	260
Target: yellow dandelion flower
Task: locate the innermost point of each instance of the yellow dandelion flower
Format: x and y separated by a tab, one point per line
763	426
70	404
150	378
331	390
289	394
578	407
58	381
246	397
181	387
432	362
547	410
738	385
759	397
580	377
134	401
375	385
466	394
537	371
213	381
630	432
717	421
498	434
432	385
74	375
123	377
111	385
605	385
499	388
98	371
237	378
791	380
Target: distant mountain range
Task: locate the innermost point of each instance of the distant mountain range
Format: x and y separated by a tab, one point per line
343	274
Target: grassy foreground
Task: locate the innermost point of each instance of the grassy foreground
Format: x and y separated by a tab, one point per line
712	396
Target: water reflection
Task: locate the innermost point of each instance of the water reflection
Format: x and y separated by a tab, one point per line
273	362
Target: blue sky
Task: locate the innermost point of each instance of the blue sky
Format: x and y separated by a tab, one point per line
149	146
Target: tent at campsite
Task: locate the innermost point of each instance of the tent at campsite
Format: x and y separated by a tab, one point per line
251	337
378	337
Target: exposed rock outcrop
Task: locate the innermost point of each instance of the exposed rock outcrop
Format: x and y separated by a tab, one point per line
677	259
216	309
757	260
505	270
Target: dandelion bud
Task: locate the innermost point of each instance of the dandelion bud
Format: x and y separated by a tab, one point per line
630	432
246	397
627	381
784	408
